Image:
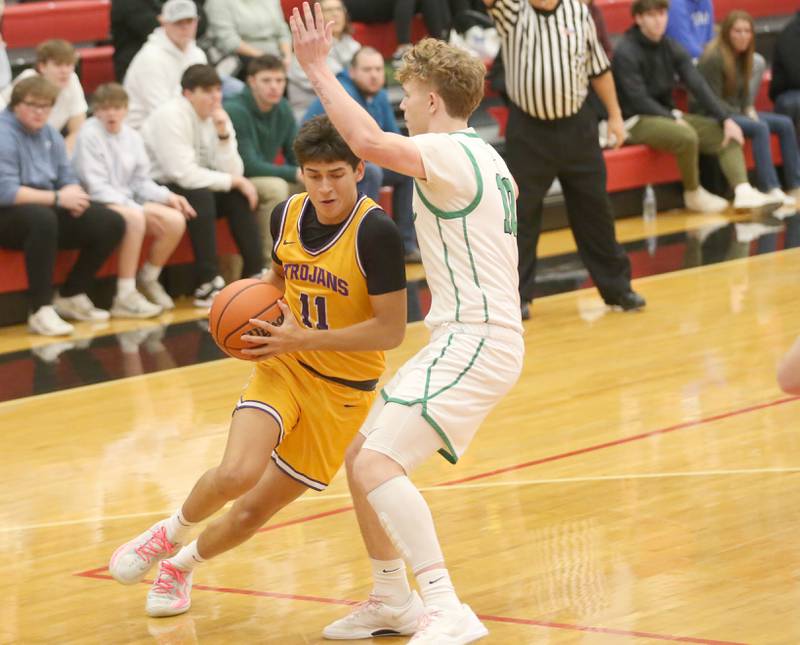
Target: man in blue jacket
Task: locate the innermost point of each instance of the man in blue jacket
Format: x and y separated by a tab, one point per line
365	81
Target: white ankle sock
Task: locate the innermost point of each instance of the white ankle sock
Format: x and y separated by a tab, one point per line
187	558
125	286
436	589
178	527
389	582
742	187
149	272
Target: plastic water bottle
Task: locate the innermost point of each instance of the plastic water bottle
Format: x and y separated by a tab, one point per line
649	211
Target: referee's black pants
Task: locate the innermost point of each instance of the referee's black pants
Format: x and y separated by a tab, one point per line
537	152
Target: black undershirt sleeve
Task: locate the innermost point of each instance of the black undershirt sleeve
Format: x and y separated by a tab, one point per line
380	248
275	227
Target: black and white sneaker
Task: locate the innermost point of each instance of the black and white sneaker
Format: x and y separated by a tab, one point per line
204	294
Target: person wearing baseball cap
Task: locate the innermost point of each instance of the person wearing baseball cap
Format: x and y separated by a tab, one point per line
154	75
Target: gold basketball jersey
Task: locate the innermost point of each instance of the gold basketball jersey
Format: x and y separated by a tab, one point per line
327	288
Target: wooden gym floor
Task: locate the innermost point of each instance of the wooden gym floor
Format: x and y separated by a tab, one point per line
639	485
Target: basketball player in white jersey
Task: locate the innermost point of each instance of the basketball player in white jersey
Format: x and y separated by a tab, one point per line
464	207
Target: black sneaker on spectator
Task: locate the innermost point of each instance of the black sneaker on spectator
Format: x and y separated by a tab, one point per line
46	322
204	294
79	307
155	293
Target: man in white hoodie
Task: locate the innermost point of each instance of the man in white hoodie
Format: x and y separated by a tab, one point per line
192	145
154	75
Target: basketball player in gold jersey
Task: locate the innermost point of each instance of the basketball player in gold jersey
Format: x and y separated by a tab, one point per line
339	261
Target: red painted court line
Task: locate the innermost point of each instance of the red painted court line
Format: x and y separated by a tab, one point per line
308	518
618	442
95	574
563	455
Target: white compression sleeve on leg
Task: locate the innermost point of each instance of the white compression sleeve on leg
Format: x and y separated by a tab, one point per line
408	522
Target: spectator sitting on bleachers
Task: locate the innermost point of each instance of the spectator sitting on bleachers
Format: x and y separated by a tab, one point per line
343	48
365	83
192	146
726	65
784	90
248	29
265	126
691	24
55	61
132	21
43	208
154	75
113	167
435	13
646	63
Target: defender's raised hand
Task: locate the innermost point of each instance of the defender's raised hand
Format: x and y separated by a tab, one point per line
312	39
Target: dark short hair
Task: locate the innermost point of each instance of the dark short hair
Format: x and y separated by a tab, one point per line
37	87
643	6
57	50
267	62
318	140
199	75
109	95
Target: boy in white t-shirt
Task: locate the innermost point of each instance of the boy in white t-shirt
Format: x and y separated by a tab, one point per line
465	219
55	61
113	166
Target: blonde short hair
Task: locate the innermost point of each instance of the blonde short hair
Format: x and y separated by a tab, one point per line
56	50
454	74
109	95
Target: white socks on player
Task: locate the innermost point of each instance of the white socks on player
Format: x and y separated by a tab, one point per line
390	582
187	558
178	527
408	522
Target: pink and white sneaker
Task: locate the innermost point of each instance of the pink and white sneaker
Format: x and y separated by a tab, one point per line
439	626
131	562
170	593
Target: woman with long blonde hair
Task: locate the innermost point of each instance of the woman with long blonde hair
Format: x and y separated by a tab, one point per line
727	65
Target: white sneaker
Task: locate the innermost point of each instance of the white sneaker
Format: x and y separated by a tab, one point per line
204	294
46	322
131	562
170	594
134	305
375	618
448	627
785	200
747	198
702	201
79	308
155	292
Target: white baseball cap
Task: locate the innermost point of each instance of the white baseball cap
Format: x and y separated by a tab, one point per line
175	10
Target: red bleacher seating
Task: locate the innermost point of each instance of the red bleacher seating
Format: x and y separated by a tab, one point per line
78	21
12	263
97	66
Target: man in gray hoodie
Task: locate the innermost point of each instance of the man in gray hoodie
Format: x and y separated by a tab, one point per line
154	75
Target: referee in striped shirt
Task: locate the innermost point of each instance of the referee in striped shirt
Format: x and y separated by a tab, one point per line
552	55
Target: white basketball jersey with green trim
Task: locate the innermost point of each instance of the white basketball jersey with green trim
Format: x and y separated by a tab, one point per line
466	223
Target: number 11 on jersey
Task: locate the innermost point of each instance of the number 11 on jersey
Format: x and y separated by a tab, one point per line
321	307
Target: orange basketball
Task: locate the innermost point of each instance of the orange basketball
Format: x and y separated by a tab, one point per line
233	308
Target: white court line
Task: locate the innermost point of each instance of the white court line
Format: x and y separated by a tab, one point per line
439	489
